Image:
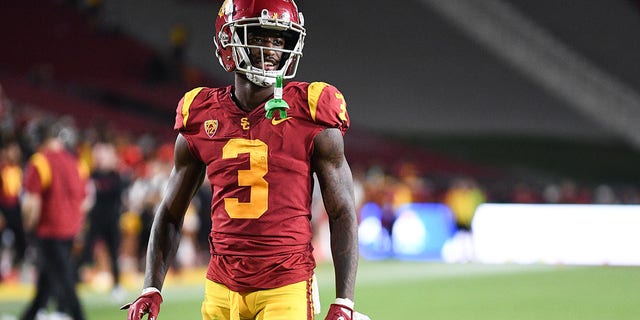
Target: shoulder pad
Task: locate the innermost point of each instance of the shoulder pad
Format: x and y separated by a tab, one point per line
43	168
327	105
184	108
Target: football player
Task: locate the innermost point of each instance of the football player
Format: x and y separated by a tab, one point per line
260	168
53	205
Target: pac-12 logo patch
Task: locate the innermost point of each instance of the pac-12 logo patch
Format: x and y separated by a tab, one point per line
210	127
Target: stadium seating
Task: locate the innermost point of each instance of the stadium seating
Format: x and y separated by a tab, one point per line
60	62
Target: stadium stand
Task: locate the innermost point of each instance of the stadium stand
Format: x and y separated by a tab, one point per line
61	62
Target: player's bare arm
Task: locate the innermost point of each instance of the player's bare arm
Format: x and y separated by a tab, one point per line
186	177
336	184
31	206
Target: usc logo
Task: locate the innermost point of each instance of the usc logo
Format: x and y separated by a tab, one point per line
244	122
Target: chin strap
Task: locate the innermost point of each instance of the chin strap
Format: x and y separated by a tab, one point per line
263	81
277	103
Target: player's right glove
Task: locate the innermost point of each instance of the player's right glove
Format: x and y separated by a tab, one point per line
147	303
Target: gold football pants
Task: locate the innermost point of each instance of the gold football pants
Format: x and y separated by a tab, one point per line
290	302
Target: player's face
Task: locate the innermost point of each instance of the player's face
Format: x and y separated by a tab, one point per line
269	40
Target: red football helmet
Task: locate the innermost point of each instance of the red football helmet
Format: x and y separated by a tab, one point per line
237	17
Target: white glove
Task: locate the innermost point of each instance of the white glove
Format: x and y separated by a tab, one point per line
349	305
359	316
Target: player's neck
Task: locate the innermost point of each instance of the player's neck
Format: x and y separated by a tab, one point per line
247	95
52	144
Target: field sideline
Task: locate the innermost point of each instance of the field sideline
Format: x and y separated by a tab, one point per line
394	290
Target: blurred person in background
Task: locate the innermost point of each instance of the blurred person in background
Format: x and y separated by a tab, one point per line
411	187
203	204
571	192
604	194
53	206
94	9
140	200
260	167
523	192
104	218
13	235
7	121
463	198
178	40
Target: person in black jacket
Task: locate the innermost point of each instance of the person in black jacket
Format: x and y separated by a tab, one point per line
103	219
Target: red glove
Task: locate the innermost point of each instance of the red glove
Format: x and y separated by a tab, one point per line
338	312
148	302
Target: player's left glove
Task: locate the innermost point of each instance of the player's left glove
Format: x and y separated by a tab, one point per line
342	309
339	312
149	302
360	316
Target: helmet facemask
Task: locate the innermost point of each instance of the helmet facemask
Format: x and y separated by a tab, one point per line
235	34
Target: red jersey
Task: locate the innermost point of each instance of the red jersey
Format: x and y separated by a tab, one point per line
261	177
60	180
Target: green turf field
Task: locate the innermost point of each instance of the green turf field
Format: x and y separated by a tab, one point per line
393	290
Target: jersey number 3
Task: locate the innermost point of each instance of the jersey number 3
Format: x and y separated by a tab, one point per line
253	178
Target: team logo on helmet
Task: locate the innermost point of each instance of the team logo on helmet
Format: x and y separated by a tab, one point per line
226	8
210	127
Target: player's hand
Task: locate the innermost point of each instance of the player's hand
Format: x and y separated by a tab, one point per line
360	316
147	303
339	312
